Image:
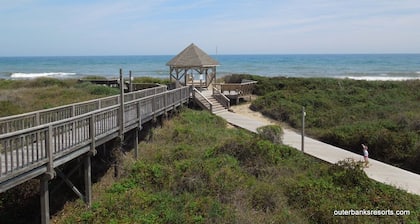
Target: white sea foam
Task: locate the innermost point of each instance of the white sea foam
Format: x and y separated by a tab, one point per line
41	74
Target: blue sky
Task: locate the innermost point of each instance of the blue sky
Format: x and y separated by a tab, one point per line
156	27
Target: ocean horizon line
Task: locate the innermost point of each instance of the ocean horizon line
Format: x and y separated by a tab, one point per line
227	54
373	66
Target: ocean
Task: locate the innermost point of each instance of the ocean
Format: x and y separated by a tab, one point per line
353	66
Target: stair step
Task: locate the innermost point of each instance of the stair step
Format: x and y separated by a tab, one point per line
217	107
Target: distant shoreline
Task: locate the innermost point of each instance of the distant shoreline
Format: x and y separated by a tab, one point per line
64	75
355	66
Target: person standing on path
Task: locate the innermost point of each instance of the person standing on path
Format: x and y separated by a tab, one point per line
365	154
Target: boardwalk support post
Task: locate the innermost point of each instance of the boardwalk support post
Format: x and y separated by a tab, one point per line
88	180
44	199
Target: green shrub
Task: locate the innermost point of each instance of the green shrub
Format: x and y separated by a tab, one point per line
349	173
272	133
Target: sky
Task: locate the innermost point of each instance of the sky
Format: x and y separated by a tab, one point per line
166	27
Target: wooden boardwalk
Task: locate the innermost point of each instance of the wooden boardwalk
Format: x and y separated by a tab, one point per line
36	143
377	170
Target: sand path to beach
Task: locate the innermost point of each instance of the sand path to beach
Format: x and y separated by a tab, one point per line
244	117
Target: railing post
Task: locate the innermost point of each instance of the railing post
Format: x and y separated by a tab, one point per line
130	87
92	133
139	114
50	154
154	106
37	119
165	104
73	111
121	115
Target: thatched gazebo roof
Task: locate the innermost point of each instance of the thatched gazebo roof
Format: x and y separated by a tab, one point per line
192	56
192	59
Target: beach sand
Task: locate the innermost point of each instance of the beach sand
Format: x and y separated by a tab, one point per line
244	109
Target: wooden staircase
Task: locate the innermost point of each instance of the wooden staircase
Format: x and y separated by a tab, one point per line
206	100
217	107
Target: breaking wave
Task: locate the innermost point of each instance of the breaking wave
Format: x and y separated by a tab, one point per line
41	74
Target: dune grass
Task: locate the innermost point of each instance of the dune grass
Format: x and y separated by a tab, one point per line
20	96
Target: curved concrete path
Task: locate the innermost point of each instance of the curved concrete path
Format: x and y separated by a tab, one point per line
377	170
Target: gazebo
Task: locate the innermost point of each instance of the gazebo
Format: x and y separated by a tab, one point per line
192	61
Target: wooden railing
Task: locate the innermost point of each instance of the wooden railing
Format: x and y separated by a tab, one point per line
32	151
221	98
32	119
244	88
202	100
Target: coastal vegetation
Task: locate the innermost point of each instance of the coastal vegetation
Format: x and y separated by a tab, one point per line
385	115
21	96
193	168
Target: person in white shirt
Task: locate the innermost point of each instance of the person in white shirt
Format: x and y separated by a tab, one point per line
365	154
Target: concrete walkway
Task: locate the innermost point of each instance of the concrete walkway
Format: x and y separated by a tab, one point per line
377	170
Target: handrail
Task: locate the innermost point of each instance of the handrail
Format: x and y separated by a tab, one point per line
42	126
196	91
221	98
32	119
244	88
38	127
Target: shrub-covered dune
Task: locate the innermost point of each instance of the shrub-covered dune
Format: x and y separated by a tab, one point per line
196	170
385	115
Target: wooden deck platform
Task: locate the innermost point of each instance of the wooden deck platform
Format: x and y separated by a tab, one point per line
237	91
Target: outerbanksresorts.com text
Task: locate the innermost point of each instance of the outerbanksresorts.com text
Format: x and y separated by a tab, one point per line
369	212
